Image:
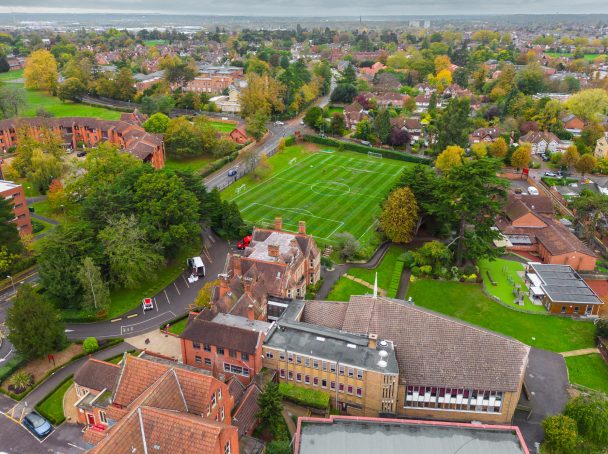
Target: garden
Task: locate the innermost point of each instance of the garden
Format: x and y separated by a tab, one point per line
589	371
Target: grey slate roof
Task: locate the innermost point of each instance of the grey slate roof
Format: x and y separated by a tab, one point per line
564	285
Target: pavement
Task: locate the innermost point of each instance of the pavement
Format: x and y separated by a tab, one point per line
547	382
156	341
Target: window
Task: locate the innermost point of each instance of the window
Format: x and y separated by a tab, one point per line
226	367
227	448
196	345
359	374
563	309
298	359
323	383
232	353
207	362
282	373
220	351
198	360
281	356
219	394
269	355
359	392
307	379
332	367
324	365
222	413
307	362
102	417
298	377
315	381
290	357
213	400
245	356
315	363
341	370
290	375
332	385
576	309
207	347
351	372
238	370
349	390
341	387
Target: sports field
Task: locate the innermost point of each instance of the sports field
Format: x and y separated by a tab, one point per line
333	191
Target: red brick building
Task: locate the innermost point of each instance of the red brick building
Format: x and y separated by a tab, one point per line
154	405
14	193
225	345
78	132
214	79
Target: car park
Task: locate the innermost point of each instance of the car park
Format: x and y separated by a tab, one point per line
38	425
147	304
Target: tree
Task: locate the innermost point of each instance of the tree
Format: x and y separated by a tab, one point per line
591	415
271	408
40	71
263	94
96	295
278	447
71	89
434	254
585	164
498	148
590	209
344	93
35	327
560	433
449	158
12	101
398	137
125	85
182	138
531	80
521	158
44	169
157	123
256	125
454	124
399	215
203	299
347	245
364	130
9	234
479	149
337	124
90	345
589	104
349	75
570	157
131	257
314	117
382	125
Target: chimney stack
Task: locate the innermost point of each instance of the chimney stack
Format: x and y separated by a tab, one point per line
372	340
250	312
278	223
224	287
273	250
302	227
236	264
247	281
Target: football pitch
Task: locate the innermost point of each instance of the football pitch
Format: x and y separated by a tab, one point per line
333	191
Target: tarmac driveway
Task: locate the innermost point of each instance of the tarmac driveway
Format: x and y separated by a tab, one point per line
547	382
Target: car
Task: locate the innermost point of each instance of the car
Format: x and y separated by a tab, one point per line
550	174
147	304
81	154
278	123
38	425
232	172
367	143
301	122
533	191
545	158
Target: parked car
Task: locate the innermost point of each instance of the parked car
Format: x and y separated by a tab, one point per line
81	154
196	266
147	304
545	158
532	190
38	425
278	123
367	143
550	174
232	172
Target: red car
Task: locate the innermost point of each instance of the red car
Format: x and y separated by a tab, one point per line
244	242
147	304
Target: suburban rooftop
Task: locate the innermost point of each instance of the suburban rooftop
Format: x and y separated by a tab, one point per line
562	284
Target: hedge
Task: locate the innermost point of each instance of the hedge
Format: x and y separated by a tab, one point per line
218	164
390	154
393	287
41	408
289	141
304	396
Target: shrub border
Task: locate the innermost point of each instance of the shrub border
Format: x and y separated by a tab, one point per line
50	419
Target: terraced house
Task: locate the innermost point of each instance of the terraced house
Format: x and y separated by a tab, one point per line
377	356
79	132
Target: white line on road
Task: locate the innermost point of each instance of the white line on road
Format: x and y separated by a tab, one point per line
77	447
185	281
166	296
125	328
211	238
156	303
115	319
175	285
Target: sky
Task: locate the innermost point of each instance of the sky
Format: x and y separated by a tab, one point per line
308	7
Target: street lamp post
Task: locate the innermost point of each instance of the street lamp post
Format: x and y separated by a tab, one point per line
12	282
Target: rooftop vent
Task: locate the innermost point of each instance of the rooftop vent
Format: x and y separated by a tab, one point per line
351	345
383	354
383	343
319	338
382	363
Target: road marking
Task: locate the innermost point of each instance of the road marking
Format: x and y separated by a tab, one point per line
77	447
132	315
175	285
211	238
167	296
115	319
185	281
131	328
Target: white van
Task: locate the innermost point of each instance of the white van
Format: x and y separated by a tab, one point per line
196	266
532	190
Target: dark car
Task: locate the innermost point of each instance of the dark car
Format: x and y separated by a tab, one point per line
232	172
37	425
81	154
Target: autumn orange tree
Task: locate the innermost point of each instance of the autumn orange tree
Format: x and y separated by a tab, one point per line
522	157
40	71
399	215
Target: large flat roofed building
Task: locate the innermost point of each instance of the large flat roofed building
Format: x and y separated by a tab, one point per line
344	435
562	290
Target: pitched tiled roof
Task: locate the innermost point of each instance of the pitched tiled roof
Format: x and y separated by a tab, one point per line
97	375
245	416
136	376
232	337
435	350
325	313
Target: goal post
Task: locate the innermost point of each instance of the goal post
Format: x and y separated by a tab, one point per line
292	161
240	188
372	154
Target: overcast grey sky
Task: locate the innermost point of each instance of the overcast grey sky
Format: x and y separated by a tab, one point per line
310	7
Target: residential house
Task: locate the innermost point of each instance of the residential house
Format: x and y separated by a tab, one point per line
276	267
239	135
529	226
411	125
13	192
385	100
426	89
601	148
485	135
77	132
373	70
573	124
145	81
542	141
379	356
224	344
562	290
353	114
356	435
150	405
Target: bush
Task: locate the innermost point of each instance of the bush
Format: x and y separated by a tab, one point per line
591	416
365	149
20	381
601	327
278	447
560	434
304	396
407	258
415	271
289	141
37	226
90	345
327	262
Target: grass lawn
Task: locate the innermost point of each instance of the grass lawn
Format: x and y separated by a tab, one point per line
179	327
155	42
192	164
467	302
588	370
11	75
385	269
29	189
504	289
45	226
52	405
333	109
588	57
222	127
332	191
344	288
43	208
